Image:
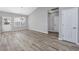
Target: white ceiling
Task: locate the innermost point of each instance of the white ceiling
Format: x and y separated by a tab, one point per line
18	10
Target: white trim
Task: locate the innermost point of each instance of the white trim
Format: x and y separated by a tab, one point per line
39	31
77	43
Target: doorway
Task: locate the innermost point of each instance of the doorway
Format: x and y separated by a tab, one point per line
53	22
6	24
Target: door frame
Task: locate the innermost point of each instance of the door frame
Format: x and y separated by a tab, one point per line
48	22
60	36
2	22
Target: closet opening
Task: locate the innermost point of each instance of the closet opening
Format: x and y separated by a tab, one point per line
53	22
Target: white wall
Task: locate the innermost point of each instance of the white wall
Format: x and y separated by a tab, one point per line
38	20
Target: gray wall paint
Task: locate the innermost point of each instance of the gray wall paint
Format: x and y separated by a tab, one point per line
12	15
38	20
0	25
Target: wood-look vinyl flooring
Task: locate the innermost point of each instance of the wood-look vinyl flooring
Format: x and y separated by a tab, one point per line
28	40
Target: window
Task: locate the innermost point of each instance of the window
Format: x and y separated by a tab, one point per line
19	21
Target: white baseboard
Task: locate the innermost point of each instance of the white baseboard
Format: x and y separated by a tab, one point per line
77	43
39	31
